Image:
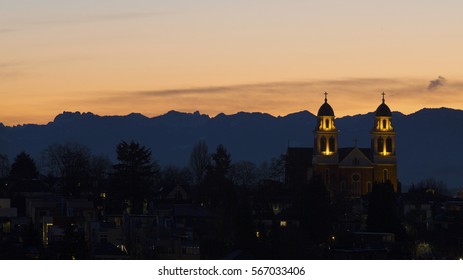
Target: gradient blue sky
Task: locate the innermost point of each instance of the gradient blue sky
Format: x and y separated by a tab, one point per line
114	57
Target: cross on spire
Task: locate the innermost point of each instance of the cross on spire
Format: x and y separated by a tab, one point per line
326	94
383	94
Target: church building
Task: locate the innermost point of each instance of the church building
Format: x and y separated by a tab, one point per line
346	171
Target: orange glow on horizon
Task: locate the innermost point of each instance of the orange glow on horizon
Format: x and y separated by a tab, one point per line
275	57
348	97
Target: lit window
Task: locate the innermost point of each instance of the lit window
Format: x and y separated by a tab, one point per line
323	144
389	145
257	234
380	145
331	144
276	208
283	223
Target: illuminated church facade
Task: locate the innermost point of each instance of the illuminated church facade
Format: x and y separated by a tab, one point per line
346	171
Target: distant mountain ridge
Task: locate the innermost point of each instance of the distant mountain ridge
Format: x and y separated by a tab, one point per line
428	141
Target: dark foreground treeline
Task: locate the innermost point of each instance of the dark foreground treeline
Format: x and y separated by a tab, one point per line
83	206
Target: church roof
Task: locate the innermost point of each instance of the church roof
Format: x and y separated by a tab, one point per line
383	110
344	152
325	110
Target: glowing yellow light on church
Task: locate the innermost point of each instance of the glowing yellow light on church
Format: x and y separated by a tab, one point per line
257	234
283	224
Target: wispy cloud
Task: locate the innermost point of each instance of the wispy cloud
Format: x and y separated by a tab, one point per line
7	30
437	83
268	88
24	68
80	19
93	18
348	97
11	69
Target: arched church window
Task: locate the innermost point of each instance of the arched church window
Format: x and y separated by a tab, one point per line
327	123
385	175
384	124
380	144
389	145
332	144
323	144
356	191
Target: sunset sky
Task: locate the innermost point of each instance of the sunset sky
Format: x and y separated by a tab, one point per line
114	57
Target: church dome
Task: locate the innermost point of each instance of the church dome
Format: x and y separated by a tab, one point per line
325	109
383	110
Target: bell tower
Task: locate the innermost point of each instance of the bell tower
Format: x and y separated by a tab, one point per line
383	145
325	155
326	134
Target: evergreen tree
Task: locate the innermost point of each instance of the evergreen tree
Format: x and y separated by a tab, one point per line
134	175
221	196
383	215
23	168
312	200
217	181
221	162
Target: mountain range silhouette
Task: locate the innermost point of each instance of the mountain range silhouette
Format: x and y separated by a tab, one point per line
428	141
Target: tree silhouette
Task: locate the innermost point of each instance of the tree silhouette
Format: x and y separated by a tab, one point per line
221	197
134	174
277	168
217	182
173	176
71	163
4	166
199	161
221	162
244	173
23	168
312	201
383	215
